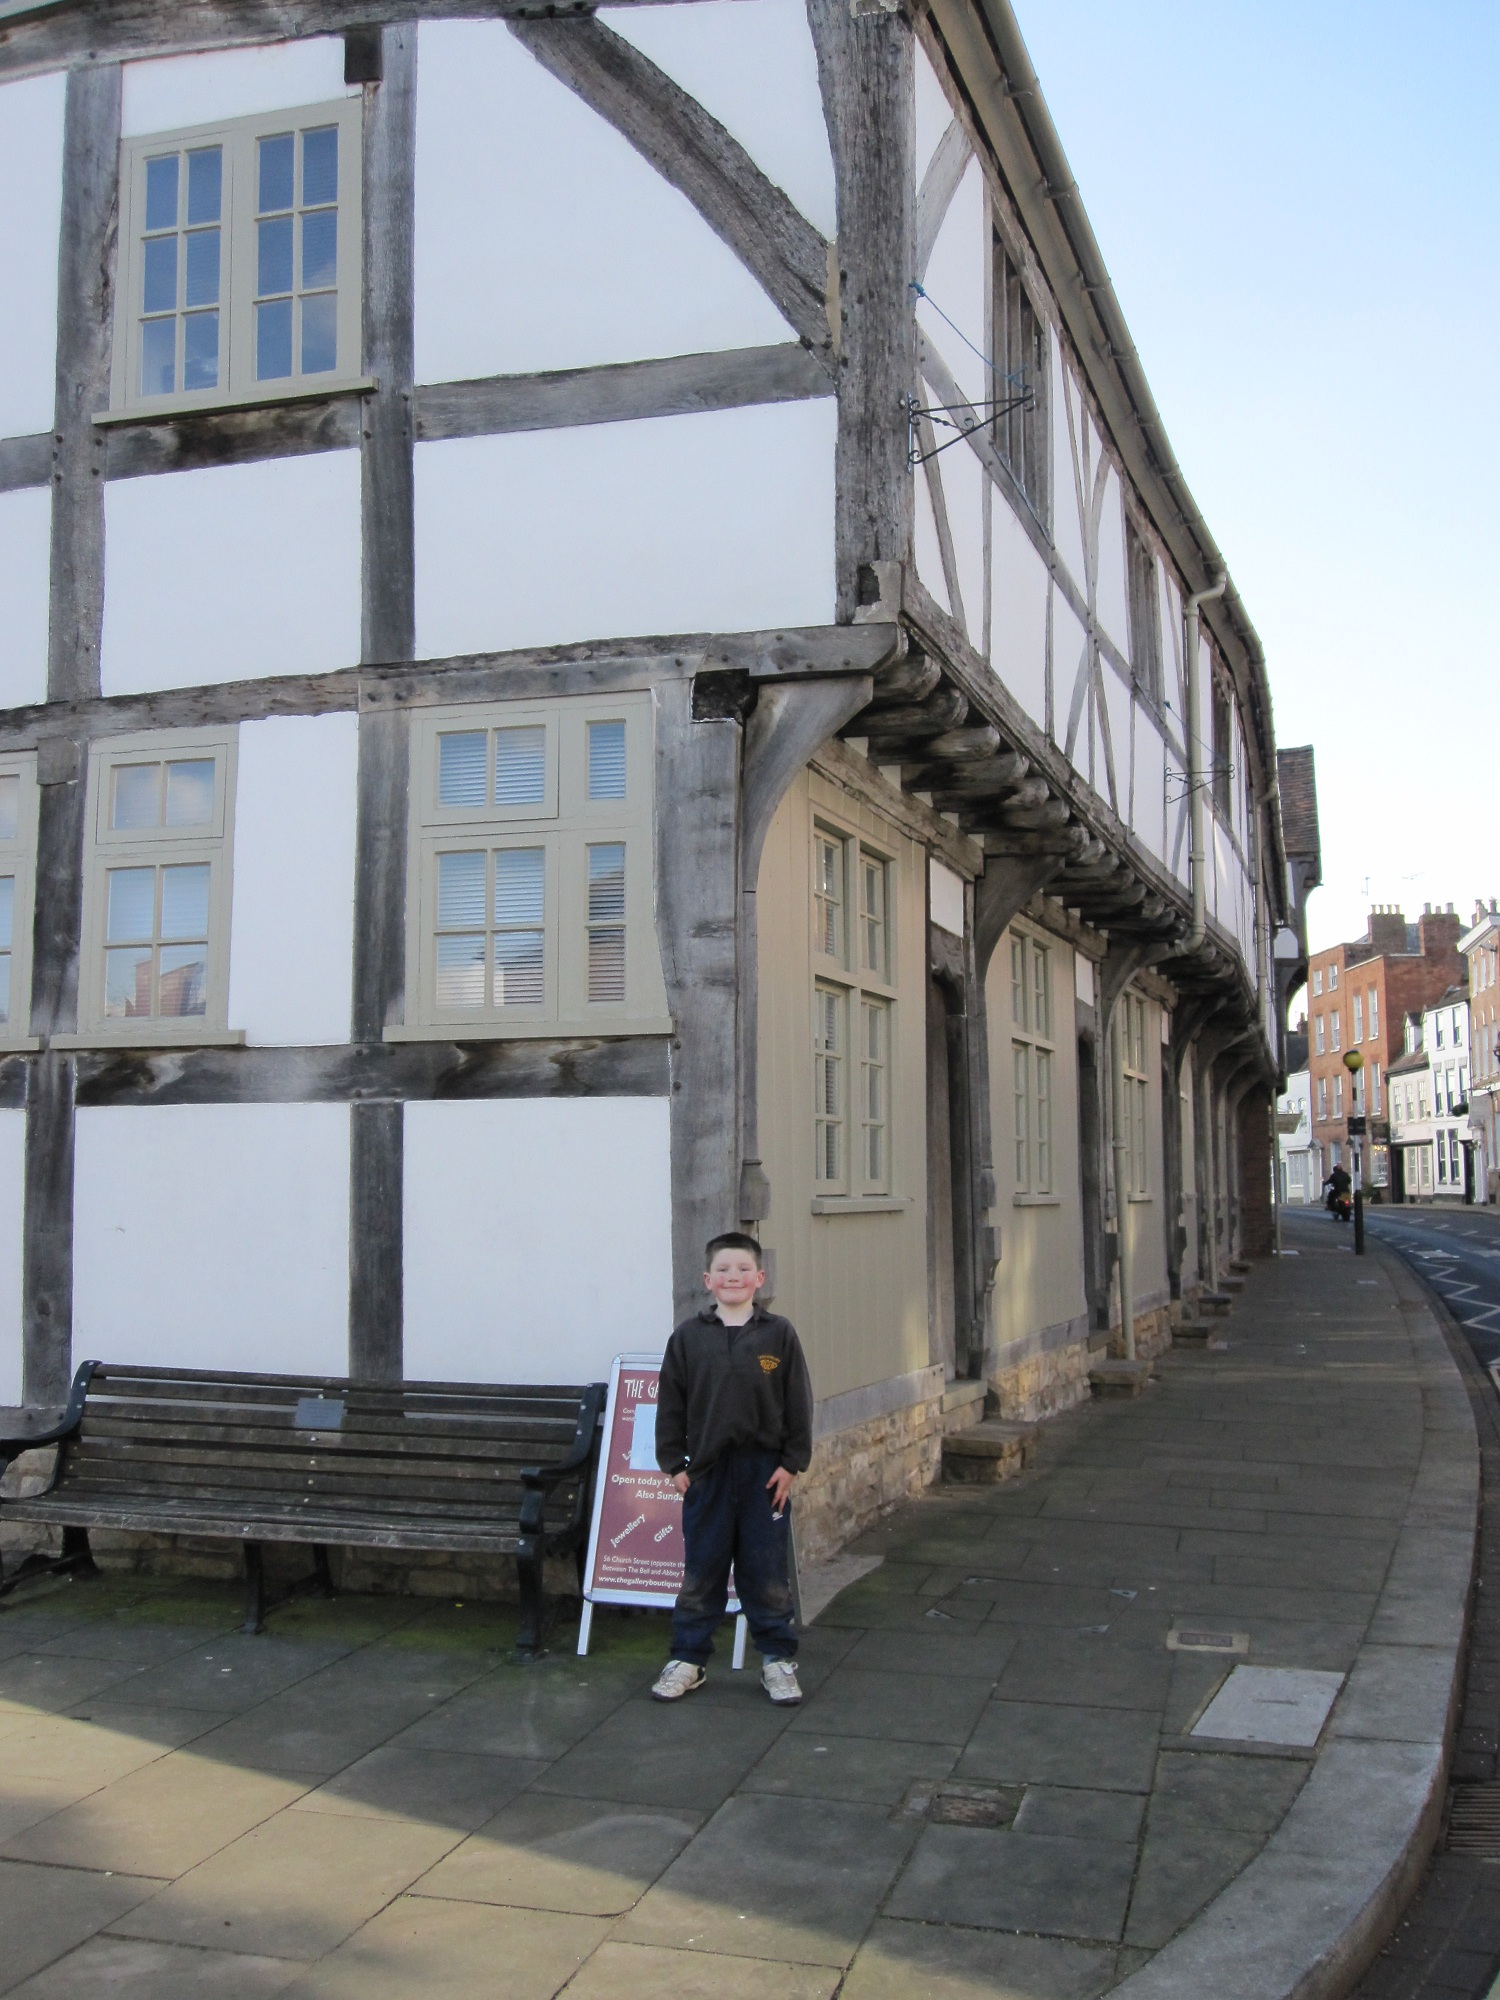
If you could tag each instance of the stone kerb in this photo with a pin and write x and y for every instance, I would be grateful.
(1311, 1910)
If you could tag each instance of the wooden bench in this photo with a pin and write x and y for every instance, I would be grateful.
(462, 1467)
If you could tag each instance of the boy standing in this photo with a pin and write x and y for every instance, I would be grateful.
(733, 1430)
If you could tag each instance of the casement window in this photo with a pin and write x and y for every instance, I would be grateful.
(530, 883)
(240, 261)
(1223, 753)
(1359, 1017)
(1318, 1034)
(1131, 1021)
(853, 1017)
(1373, 1013)
(18, 825)
(1033, 1053)
(1019, 393)
(1144, 609)
(155, 947)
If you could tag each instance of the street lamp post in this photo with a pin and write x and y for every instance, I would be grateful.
(1354, 1062)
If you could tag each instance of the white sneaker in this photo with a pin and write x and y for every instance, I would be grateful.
(678, 1677)
(779, 1679)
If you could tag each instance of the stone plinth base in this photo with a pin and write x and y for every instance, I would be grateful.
(1041, 1384)
(1119, 1378)
(863, 1472)
(989, 1452)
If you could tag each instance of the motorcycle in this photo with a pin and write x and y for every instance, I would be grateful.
(1340, 1205)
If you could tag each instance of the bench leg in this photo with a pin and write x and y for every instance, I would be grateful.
(76, 1559)
(322, 1574)
(255, 1588)
(533, 1603)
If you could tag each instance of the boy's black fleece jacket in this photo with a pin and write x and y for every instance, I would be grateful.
(724, 1388)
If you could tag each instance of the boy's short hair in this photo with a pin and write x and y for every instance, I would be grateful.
(732, 1239)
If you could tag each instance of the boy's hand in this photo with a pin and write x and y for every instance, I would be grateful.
(779, 1486)
(680, 1481)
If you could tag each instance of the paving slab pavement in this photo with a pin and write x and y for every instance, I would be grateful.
(993, 1790)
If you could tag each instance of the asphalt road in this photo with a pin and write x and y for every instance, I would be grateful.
(1457, 1250)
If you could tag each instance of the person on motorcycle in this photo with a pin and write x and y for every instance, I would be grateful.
(1338, 1185)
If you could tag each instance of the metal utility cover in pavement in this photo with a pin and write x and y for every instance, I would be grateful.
(1286, 1705)
(1199, 1639)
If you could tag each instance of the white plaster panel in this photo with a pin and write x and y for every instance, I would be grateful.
(31, 148)
(963, 480)
(1069, 681)
(957, 274)
(1018, 615)
(231, 573)
(291, 939)
(1118, 703)
(1067, 521)
(934, 113)
(178, 91)
(538, 1240)
(12, 1199)
(213, 1236)
(1111, 600)
(543, 239)
(1148, 814)
(928, 549)
(25, 563)
(718, 522)
(1178, 817)
(945, 897)
(756, 70)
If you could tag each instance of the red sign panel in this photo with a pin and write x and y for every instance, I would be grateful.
(635, 1547)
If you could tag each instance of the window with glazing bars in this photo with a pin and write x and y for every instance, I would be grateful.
(240, 260)
(1021, 357)
(156, 899)
(853, 1015)
(18, 830)
(1032, 1058)
(532, 876)
(1135, 1049)
(1144, 610)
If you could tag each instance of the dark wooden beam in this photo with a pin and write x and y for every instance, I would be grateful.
(25, 461)
(376, 1073)
(47, 1233)
(692, 150)
(679, 385)
(232, 437)
(866, 70)
(85, 286)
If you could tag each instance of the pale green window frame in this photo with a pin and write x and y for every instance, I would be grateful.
(854, 1024)
(531, 873)
(167, 938)
(19, 799)
(1033, 1067)
(321, 291)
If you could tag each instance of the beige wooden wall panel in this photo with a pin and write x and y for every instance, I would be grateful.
(1148, 1218)
(855, 1286)
(1040, 1279)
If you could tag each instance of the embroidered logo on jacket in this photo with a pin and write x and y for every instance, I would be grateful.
(769, 1363)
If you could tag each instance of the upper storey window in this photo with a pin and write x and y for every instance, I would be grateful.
(1145, 612)
(240, 261)
(1020, 392)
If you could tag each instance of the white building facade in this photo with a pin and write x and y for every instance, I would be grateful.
(601, 643)
(1301, 1180)
(1480, 946)
(1428, 1095)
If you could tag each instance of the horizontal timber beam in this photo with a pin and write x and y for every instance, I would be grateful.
(676, 385)
(376, 1072)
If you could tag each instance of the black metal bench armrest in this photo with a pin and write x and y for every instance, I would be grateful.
(539, 1480)
(12, 1448)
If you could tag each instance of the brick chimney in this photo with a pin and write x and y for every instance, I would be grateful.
(1387, 929)
(1439, 932)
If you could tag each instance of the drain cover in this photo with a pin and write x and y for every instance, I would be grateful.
(954, 1803)
(1474, 1820)
(1196, 1639)
(1284, 1705)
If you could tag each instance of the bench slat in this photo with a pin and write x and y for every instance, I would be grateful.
(416, 1440)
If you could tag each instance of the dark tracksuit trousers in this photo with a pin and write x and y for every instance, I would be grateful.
(727, 1523)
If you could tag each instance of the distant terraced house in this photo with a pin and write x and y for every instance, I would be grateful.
(602, 640)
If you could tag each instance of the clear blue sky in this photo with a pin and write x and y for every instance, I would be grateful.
(1298, 207)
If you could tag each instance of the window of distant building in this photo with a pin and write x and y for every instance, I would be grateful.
(1144, 611)
(1359, 1017)
(240, 260)
(1333, 979)
(1322, 1097)
(1338, 1096)
(1318, 1034)
(1318, 980)
(1223, 745)
(1374, 1013)
(1335, 1023)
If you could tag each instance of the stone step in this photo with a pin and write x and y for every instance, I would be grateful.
(1192, 1332)
(1119, 1378)
(962, 1406)
(988, 1452)
(1221, 1303)
(1234, 1285)
(1239, 1264)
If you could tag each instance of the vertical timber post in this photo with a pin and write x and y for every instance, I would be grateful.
(388, 632)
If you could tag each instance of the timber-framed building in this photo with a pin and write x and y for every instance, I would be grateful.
(601, 640)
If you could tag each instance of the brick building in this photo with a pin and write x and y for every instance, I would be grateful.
(1358, 996)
